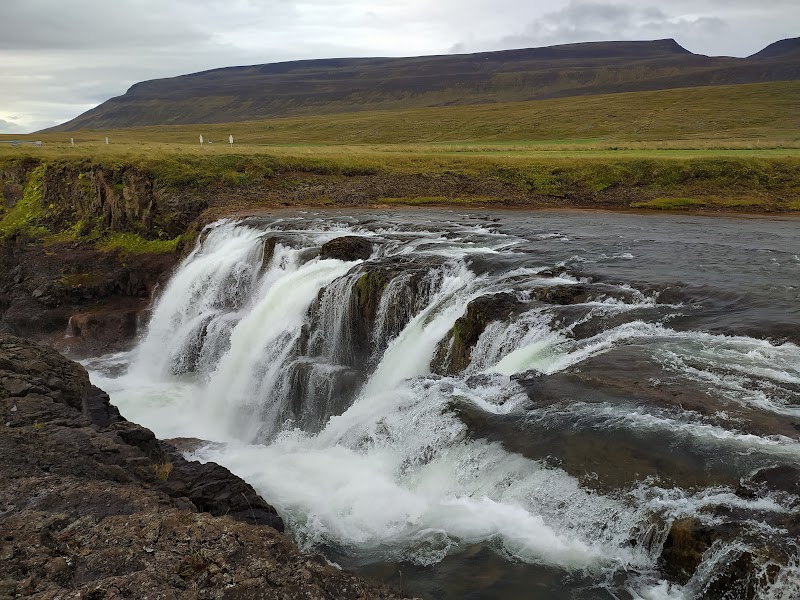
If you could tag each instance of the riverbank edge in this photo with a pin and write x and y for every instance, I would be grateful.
(86, 242)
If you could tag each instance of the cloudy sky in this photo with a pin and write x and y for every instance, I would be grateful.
(59, 58)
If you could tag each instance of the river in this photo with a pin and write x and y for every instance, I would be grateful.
(628, 372)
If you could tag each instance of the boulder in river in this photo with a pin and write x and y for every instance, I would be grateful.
(347, 248)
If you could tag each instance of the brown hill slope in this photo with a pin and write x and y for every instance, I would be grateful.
(344, 85)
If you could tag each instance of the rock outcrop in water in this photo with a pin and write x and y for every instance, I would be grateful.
(93, 506)
(454, 352)
(349, 247)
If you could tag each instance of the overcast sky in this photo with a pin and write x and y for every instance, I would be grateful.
(59, 58)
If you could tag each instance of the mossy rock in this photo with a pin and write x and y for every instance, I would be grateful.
(368, 291)
(454, 352)
(562, 294)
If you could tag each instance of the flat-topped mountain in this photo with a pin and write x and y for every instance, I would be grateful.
(783, 49)
(328, 86)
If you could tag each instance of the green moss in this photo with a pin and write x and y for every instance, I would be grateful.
(370, 288)
(130, 243)
(745, 202)
(669, 203)
(84, 230)
(26, 215)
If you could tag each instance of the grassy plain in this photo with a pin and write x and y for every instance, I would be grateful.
(731, 147)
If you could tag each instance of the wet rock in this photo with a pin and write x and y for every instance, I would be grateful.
(562, 294)
(106, 327)
(187, 445)
(527, 376)
(783, 478)
(268, 251)
(99, 409)
(735, 579)
(684, 547)
(454, 352)
(347, 248)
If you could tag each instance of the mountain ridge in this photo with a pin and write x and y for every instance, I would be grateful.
(340, 85)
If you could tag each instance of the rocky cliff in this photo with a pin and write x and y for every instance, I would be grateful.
(82, 249)
(93, 506)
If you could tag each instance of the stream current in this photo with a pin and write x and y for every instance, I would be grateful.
(632, 372)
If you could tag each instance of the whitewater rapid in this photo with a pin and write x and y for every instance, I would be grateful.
(373, 459)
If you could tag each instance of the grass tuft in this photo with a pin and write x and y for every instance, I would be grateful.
(162, 470)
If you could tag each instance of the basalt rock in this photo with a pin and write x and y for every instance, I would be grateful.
(95, 331)
(102, 292)
(739, 574)
(94, 506)
(347, 248)
(454, 352)
(268, 251)
(684, 547)
(562, 294)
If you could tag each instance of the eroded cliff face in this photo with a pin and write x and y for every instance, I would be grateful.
(82, 248)
(93, 506)
(122, 198)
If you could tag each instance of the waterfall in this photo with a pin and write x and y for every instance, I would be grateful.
(314, 379)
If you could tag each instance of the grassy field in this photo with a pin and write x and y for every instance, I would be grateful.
(735, 147)
(737, 117)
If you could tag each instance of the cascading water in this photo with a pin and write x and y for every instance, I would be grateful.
(316, 380)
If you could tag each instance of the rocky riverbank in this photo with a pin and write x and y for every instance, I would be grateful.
(93, 506)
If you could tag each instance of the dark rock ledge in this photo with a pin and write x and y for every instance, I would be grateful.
(93, 506)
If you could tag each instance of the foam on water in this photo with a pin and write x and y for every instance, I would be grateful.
(397, 470)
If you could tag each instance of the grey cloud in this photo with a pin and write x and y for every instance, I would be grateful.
(715, 27)
(85, 24)
(10, 127)
(596, 21)
(60, 58)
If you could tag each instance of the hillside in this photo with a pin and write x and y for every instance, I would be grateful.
(319, 87)
(763, 114)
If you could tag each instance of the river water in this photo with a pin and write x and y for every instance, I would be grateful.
(635, 371)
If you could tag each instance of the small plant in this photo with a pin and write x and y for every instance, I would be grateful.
(192, 566)
(37, 426)
(162, 470)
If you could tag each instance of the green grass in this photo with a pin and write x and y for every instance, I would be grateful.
(26, 214)
(740, 116)
(710, 201)
(669, 203)
(130, 243)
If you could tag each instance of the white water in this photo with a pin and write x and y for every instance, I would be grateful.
(396, 476)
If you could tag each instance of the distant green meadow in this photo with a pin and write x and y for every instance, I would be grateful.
(735, 147)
